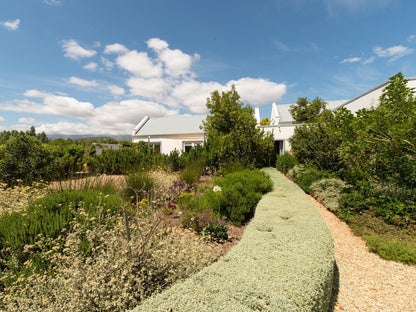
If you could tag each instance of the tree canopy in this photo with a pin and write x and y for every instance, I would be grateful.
(231, 132)
(307, 111)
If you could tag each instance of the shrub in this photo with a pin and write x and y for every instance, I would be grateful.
(192, 171)
(305, 176)
(49, 217)
(215, 232)
(394, 249)
(285, 162)
(138, 186)
(240, 192)
(329, 191)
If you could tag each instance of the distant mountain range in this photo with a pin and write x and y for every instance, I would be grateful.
(89, 136)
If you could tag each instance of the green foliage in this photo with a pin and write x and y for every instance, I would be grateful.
(240, 192)
(307, 111)
(232, 134)
(329, 192)
(215, 232)
(285, 162)
(139, 185)
(265, 121)
(49, 217)
(192, 171)
(24, 157)
(305, 176)
(396, 250)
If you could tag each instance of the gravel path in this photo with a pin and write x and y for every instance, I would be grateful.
(366, 282)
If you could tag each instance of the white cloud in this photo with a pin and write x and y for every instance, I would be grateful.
(51, 104)
(281, 46)
(193, 94)
(394, 52)
(27, 120)
(107, 63)
(116, 90)
(1, 119)
(115, 48)
(74, 51)
(82, 82)
(11, 24)
(411, 38)
(258, 92)
(154, 88)
(157, 44)
(351, 60)
(369, 60)
(91, 66)
(177, 63)
(139, 64)
(52, 2)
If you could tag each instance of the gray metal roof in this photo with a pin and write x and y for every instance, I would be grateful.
(172, 125)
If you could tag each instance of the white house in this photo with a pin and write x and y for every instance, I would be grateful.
(182, 132)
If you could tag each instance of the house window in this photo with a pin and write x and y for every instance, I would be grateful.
(187, 146)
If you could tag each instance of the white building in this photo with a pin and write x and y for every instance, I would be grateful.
(182, 132)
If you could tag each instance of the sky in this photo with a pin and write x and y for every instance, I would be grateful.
(99, 66)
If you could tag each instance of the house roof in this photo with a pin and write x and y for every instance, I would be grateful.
(286, 116)
(169, 125)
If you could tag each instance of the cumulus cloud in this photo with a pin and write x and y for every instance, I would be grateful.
(351, 60)
(91, 66)
(139, 64)
(394, 52)
(11, 24)
(154, 88)
(177, 63)
(74, 51)
(116, 90)
(193, 94)
(115, 48)
(82, 82)
(51, 104)
(27, 120)
(258, 92)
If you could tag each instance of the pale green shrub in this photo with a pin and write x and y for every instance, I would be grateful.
(117, 275)
(329, 191)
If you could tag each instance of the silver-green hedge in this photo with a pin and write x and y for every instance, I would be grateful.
(284, 262)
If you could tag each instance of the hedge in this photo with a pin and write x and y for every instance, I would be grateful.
(284, 262)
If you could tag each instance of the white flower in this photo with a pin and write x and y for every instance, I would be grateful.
(217, 188)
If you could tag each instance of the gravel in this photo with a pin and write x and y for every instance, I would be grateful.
(366, 282)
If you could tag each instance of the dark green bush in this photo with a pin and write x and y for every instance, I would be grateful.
(192, 171)
(285, 162)
(215, 232)
(240, 192)
(397, 250)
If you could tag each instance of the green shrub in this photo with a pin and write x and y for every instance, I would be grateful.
(285, 162)
(239, 194)
(394, 249)
(329, 191)
(305, 176)
(49, 217)
(215, 232)
(192, 171)
(139, 185)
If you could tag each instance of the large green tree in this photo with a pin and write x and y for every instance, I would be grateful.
(232, 134)
(307, 111)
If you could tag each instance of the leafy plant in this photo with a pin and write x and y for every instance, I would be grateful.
(215, 232)
(285, 162)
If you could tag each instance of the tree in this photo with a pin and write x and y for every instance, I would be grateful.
(265, 121)
(231, 132)
(306, 111)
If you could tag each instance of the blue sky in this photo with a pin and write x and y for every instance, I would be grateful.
(98, 66)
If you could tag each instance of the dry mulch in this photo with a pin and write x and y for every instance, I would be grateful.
(364, 281)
